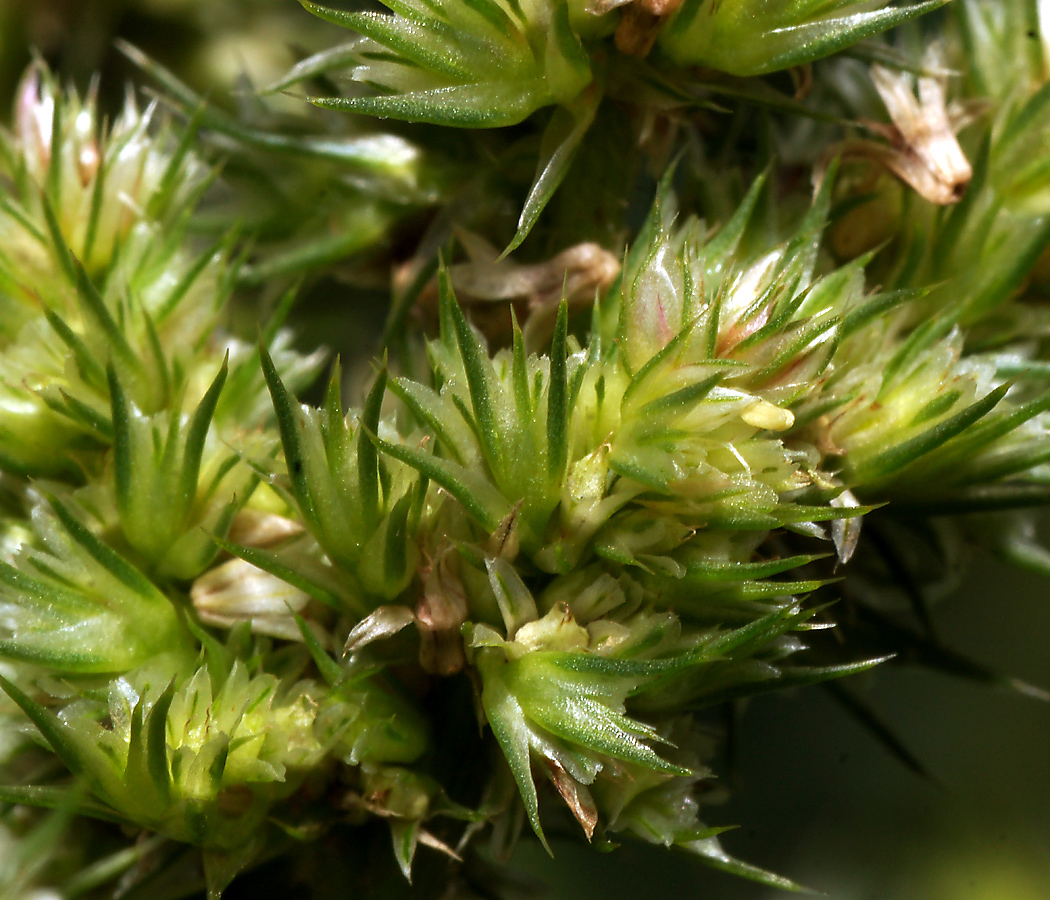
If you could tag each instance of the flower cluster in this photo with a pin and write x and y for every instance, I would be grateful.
(502, 585)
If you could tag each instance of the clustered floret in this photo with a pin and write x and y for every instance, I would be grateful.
(236, 621)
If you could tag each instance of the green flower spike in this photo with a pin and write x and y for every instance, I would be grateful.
(477, 65)
(501, 424)
(715, 348)
(76, 607)
(545, 699)
(571, 445)
(554, 691)
(860, 394)
(474, 65)
(92, 270)
(362, 510)
(750, 37)
(165, 504)
(197, 763)
(107, 192)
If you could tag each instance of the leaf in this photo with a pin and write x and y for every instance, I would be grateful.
(765, 590)
(328, 667)
(475, 363)
(385, 153)
(106, 557)
(593, 725)
(889, 462)
(338, 57)
(103, 870)
(520, 374)
(430, 410)
(60, 736)
(679, 402)
(557, 406)
(90, 369)
(516, 603)
(405, 835)
(710, 852)
(197, 434)
(222, 866)
(146, 771)
(381, 623)
(474, 492)
(425, 44)
(788, 677)
(726, 240)
(558, 146)
(1003, 278)
(752, 635)
(702, 569)
(48, 797)
(288, 425)
(182, 288)
(507, 721)
(367, 457)
(299, 578)
(95, 307)
(786, 38)
(485, 105)
(58, 242)
(879, 305)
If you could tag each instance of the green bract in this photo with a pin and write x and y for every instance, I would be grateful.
(76, 606)
(748, 37)
(477, 65)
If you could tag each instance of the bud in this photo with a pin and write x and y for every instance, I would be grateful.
(548, 698)
(750, 37)
(91, 221)
(76, 606)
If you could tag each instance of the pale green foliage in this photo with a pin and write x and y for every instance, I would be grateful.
(491, 63)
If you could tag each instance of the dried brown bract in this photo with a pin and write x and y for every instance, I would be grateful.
(440, 613)
(641, 23)
(921, 147)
